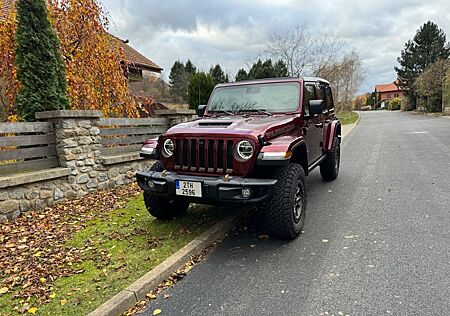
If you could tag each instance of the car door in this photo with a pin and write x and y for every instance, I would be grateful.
(313, 129)
(328, 114)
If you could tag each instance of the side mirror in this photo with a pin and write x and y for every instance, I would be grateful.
(201, 110)
(315, 107)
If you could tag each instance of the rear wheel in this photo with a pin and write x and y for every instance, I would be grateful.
(160, 207)
(329, 168)
(285, 212)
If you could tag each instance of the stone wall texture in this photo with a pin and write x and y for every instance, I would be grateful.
(79, 148)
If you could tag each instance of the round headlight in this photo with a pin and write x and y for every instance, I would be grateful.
(243, 150)
(168, 148)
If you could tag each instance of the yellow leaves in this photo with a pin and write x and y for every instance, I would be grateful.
(53, 295)
(156, 312)
(151, 295)
(42, 280)
(94, 73)
(4, 290)
(63, 302)
(32, 310)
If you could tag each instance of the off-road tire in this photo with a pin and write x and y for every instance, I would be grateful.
(278, 212)
(329, 168)
(160, 207)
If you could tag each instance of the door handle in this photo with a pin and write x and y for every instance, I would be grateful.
(318, 125)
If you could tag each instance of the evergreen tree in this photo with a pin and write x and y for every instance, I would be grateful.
(280, 69)
(178, 81)
(190, 68)
(428, 45)
(265, 69)
(241, 75)
(200, 87)
(40, 68)
(218, 75)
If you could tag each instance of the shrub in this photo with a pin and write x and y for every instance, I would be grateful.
(394, 104)
(200, 87)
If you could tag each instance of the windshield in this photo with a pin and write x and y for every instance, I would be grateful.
(270, 97)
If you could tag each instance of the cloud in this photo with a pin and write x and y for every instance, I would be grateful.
(232, 32)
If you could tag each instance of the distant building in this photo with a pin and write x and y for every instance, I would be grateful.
(386, 92)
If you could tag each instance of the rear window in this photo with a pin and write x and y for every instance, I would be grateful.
(271, 97)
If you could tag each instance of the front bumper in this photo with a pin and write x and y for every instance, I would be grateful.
(215, 190)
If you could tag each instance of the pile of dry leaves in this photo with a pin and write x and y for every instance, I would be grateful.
(32, 247)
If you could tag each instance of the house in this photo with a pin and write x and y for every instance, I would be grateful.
(137, 63)
(386, 92)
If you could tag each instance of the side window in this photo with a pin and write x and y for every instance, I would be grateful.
(323, 96)
(309, 93)
(330, 104)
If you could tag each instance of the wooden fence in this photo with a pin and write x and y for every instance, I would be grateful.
(124, 135)
(27, 147)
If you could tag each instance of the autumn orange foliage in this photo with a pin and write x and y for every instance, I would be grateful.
(93, 58)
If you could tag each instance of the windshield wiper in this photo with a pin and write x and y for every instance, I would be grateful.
(260, 111)
(223, 111)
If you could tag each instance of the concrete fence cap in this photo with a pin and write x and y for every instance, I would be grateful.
(68, 114)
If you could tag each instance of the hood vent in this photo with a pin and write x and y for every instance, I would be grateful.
(214, 124)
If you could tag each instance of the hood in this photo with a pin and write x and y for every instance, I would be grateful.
(253, 125)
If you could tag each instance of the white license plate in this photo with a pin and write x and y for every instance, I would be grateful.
(188, 188)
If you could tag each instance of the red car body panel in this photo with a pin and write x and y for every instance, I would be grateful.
(281, 132)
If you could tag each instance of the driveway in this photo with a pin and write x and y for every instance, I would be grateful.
(376, 240)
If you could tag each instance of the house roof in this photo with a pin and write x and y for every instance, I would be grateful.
(389, 87)
(134, 58)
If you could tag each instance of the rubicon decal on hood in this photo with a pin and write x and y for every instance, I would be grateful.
(281, 130)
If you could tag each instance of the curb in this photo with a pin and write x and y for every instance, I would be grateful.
(136, 292)
(359, 118)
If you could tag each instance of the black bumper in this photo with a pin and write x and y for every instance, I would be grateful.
(215, 190)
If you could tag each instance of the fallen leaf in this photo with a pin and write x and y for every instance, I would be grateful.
(63, 302)
(42, 280)
(32, 310)
(157, 311)
(324, 240)
(252, 246)
(167, 295)
(53, 295)
(3, 290)
(151, 295)
(263, 236)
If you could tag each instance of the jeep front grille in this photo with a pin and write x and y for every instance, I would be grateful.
(204, 155)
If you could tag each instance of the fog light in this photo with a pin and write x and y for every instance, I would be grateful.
(151, 185)
(246, 193)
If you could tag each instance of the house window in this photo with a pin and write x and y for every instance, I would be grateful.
(396, 95)
(389, 96)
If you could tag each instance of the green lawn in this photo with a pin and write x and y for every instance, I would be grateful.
(116, 249)
(347, 117)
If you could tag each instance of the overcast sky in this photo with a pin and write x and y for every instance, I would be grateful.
(232, 32)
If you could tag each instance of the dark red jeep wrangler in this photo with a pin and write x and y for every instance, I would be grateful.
(254, 144)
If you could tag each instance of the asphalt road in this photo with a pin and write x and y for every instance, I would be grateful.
(376, 240)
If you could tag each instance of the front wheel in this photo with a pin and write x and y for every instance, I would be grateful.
(285, 212)
(329, 168)
(162, 208)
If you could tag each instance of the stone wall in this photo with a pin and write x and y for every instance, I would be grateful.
(82, 168)
(38, 195)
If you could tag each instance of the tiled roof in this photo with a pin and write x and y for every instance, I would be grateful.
(135, 58)
(389, 87)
